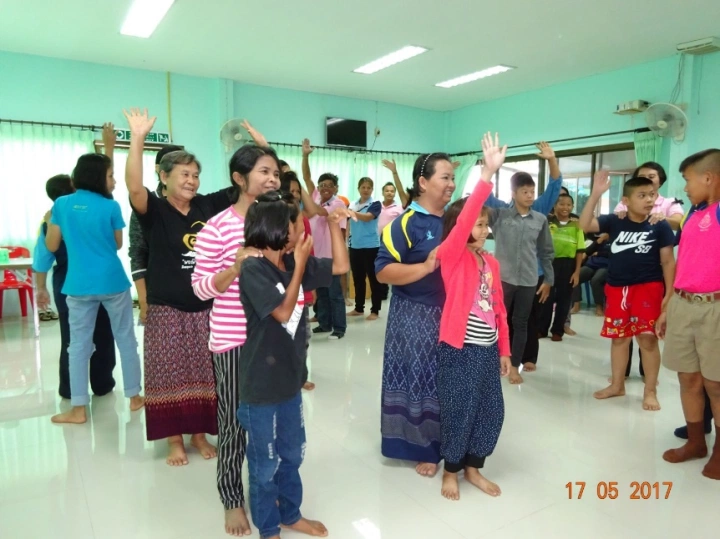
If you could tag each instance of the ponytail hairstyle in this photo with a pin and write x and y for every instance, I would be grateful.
(243, 161)
(424, 167)
(267, 223)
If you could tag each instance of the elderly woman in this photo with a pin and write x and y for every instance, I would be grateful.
(410, 408)
(179, 378)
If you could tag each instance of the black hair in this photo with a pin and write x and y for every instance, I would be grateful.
(328, 176)
(59, 186)
(282, 164)
(365, 179)
(521, 179)
(90, 173)
(708, 159)
(267, 221)
(451, 216)
(425, 168)
(286, 179)
(657, 167)
(635, 182)
(391, 184)
(564, 190)
(566, 195)
(162, 152)
(244, 160)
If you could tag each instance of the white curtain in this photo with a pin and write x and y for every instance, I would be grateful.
(350, 166)
(29, 155)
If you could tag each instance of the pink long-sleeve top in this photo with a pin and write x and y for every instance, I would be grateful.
(461, 276)
(215, 249)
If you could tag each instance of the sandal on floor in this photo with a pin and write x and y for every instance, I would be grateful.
(45, 316)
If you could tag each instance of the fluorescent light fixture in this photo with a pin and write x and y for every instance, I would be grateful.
(144, 16)
(489, 72)
(390, 59)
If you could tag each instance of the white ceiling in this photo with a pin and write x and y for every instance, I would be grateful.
(314, 45)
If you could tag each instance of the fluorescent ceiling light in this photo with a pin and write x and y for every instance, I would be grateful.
(144, 16)
(489, 72)
(390, 59)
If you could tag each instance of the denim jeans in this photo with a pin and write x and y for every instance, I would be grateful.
(331, 307)
(83, 314)
(275, 450)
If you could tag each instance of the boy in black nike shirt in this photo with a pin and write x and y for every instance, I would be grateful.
(639, 280)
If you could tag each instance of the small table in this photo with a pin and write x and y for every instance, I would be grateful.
(25, 264)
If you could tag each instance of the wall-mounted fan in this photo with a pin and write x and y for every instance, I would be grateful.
(232, 134)
(667, 120)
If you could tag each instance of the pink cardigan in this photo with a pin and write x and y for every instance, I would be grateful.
(461, 276)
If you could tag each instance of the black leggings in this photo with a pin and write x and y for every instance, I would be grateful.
(519, 304)
(362, 265)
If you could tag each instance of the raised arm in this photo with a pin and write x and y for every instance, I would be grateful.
(392, 167)
(109, 139)
(307, 177)
(341, 261)
(257, 137)
(546, 202)
(140, 125)
(601, 183)
(310, 207)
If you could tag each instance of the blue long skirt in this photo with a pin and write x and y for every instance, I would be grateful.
(410, 408)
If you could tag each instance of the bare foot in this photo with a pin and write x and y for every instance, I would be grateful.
(426, 469)
(610, 392)
(207, 450)
(450, 488)
(474, 477)
(656, 383)
(650, 401)
(76, 415)
(136, 403)
(176, 452)
(372, 316)
(308, 386)
(313, 320)
(309, 527)
(354, 313)
(599, 311)
(236, 522)
(570, 331)
(529, 367)
(576, 308)
(610, 379)
(515, 377)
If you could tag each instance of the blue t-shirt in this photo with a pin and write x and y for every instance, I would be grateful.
(88, 222)
(409, 240)
(635, 249)
(364, 234)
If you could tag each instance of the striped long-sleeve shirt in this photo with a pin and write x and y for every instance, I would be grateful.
(215, 249)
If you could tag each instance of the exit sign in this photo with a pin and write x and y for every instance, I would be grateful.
(123, 135)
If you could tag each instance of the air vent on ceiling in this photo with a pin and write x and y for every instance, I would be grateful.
(700, 46)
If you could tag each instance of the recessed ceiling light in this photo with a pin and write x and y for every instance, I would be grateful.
(144, 16)
(489, 72)
(390, 59)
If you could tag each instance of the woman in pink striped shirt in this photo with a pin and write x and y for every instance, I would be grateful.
(254, 170)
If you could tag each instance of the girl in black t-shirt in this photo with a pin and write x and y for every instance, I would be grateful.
(272, 363)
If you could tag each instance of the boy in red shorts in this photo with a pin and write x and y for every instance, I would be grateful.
(691, 325)
(639, 280)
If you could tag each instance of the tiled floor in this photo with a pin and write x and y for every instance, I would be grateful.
(104, 480)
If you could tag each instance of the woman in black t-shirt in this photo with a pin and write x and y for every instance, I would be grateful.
(179, 378)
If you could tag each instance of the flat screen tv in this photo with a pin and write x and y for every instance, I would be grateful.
(342, 132)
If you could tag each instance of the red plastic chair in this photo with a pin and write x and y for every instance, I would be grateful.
(11, 281)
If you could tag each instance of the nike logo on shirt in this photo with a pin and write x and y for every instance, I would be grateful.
(629, 240)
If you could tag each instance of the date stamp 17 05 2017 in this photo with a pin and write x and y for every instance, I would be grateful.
(609, 490)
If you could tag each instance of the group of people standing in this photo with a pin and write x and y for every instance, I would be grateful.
(225, 282)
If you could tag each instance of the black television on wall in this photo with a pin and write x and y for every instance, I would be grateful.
(343, 132)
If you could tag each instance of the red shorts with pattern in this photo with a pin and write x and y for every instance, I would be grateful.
(632, 310)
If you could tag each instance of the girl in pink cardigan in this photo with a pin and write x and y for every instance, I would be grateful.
(474, 349)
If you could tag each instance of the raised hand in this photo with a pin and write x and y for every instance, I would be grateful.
(257, 137)
(601, 182)
(390, 165)
(109, 137)
(493, 156)
(306, 148)
(139, 122)
(545, 150)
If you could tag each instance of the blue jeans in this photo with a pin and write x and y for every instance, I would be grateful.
(83, 313)
(331, 307)
(275, 450)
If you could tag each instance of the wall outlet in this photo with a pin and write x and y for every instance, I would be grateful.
(377, 132)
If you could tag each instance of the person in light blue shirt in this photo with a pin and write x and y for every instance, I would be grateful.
(364, 247)
(102, 361)
(91, 224)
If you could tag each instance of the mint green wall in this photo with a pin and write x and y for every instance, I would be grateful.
(704, 112)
